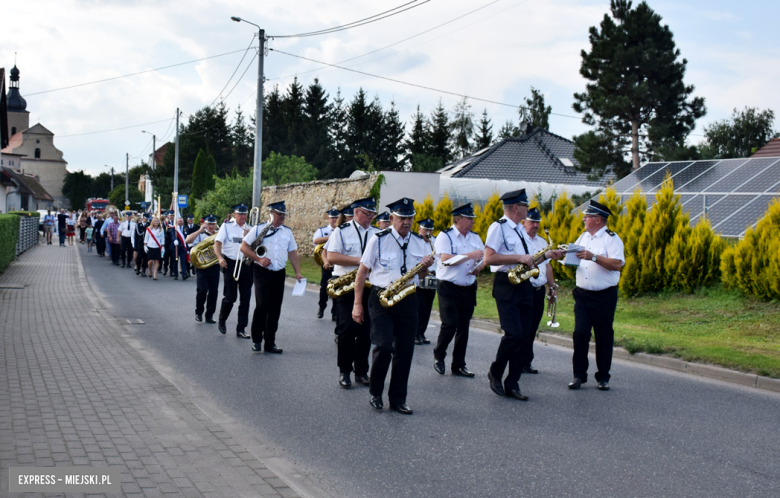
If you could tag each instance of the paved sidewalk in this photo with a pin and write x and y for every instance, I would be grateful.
(73, 392)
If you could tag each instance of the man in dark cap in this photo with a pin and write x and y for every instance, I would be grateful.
(426, 292)
(321, 236)
(506, 245)
(141, 260)
(596, 294)
(226, 247)
(388, 256)
(207, 278)
(383, 220)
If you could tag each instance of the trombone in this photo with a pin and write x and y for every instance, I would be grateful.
(252, 220)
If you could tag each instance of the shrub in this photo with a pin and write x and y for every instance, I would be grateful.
(227, 193)
(9, 235)
(442, 216)
(564, 228)
(424, 209)
(493, 211)
(629, 227)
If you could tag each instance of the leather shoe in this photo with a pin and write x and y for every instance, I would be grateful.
(496, 385)
(424, 340)
(273, 349)
(198, 318)
(603, 386)
(403, 409)
(241, 334)
(185, 277)
(165, 272)
(462, 372)
(376, 402)
(418, 340)
(257, 347)
(576, 383)
(320, 312)
(362, 379)
(222, 328)
(530, 370)
(344, 380)
(210, 320)
(438, 366)
(515, 393)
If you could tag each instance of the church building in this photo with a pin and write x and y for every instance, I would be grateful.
(31, 149)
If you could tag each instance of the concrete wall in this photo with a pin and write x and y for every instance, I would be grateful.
(307, 203)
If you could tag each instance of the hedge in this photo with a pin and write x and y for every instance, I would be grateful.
(33, 214)
(9, 235)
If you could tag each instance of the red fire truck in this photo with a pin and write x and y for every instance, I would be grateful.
(95, 204)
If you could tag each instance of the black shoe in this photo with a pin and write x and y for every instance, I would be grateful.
(376, 402)
(438, 365)
(137, 272)
(424, 340)
(164, 272)
(198, 317)
(576, 383)
(273, 349)
(515, 393)
(176, 277)
(603, 386)
(495, 385)
(418, 340)
(320, 312)
(530, 370)
(210, 320)
(333, 318)
(461, 372)
(403, 408)
(344, 380)
(362, 379)
(123, 265)
(336, 339)
(185, 277)
(242, 335)
(222, 328)
(143, 274)
(257, 347)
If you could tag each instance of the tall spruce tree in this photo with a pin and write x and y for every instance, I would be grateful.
(200, 171)
(439, 135)
(635, 96)
(364, 132)
(508, 130)
(484, 136)
(392, 147)
(416, 144)
(462, 127)
(338, 138)
(243, 144)
(274, 129)
(535, 111)
(317, 144)
(293, 117)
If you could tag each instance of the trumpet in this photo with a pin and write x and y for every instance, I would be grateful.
(552, 305)
(252, 220)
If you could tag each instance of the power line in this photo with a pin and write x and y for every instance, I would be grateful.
(134, 74)
(355, 24)
(411, 84)
(234, 71)
(113, 129)
(241, 78)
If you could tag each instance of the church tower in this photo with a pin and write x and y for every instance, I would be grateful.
(18, 115)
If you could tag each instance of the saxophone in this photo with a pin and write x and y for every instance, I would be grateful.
(521, 272)
(338, 286)
(399, 289)
(257, 248)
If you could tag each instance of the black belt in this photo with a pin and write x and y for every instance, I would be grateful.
(456, 285)
(596, 292)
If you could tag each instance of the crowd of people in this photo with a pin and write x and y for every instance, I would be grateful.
(370, 263)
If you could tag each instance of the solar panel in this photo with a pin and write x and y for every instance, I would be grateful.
(657, 178)
(630, 182)
(744, 173)
(696, 205)
(726, 207)
(763, 181)
(673, 169)
(691, 172)
(754, 210)
(720, 170)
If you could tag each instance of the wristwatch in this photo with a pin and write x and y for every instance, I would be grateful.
(593, 258)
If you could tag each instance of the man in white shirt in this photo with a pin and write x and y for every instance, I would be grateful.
(596, 295)
(321, 236)
(345, 248)
(268, 274)
(227, 248)
(426, 292)
(457, 288)
(388, 256)
(126, 231)
(505, 247)
(207, 278)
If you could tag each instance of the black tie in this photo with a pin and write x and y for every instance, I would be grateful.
(403, 249)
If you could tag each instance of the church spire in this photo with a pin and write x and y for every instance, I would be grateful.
(15, 101)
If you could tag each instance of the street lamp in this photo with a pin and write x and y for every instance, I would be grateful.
(153, 165)
(112, 175)
(257, 175)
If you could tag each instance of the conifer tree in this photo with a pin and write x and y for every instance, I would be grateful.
(243, 144)
(629, 226)
(612, 200)
(200, 171)
(535, 111)
(317, 146)
(484, 136)
(564, 227)
(462, 128)
(424, 209)
(274, 128)
(509, 130)
(442, 217)
(391, 149)
(293, 118)
(493, 211)
(439, 135)
(338, 137)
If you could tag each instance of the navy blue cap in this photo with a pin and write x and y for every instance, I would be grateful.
(241, 209)
(210, 218)
(148, 216)
(348, 211)
(427, 223)
(598, 209)
(515, 197)
(333, 213)
(170, 212)
(402, 207)
(368, 204)
(383, 216)
(128, 213)
(190, 217)
(279, 207)
(533, 215)
(465, 210)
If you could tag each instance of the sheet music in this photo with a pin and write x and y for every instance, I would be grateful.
(300, 288)
(571, 258)
(455, 260)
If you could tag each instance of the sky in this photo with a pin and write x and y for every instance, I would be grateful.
(496, 53)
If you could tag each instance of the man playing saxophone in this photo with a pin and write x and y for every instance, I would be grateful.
(207, 278)
(226, 247)
(388, 256)
(268, 274)
(321, 236)
(507, 245)
(345, 248)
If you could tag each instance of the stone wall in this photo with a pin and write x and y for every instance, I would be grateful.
(307, 203)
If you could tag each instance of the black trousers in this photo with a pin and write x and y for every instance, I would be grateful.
(596, 310)
(456, 306)
(354, 342)
(269, 293)
(126, 252)
(392, 334)
(141, 258)
(538, 312)
(425, 299)
(115, 249)
(515, 305)
(232, 290)
(169, 260)
(325, 276)
(182, 263)
(206, 294)
(100, 245)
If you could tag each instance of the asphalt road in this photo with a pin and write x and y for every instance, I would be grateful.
(656, 433)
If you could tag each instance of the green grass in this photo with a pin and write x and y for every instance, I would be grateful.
(713, 325)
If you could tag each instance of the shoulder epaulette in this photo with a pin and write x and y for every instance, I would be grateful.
(382, 233)
(447, 230)
(344, 225)
(502, 220)
(611, 233)
(417, 234)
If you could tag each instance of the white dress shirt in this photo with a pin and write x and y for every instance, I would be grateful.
(231, 235)
(452, 242)
(384, 256)
(278, 244)
(349, 239)
(200, 238)
(126, 228)
(505, 239)
(322, 232)
(591, 275)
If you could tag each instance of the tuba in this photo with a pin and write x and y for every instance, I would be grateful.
(203, 255)
(399, 289)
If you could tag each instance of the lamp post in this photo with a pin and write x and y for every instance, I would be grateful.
(153, 163)
(112, 176)
(257, 177)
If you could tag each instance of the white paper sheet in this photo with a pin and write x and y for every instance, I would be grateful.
(571, 258)
(455, 260)
(300, 288)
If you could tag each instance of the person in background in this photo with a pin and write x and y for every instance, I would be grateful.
(70, 225)
(112, 235)
(425, 295)
(139, 234)
(153, 245)
(179, 247)
(88, 236)
(321, 237)
(82, 228)
(62, 226)
(100, 239)
(48, 226)
(383, 220)
(126, 231)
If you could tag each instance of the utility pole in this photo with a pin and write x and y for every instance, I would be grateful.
(112, 178)
(127, 180)
(176, 163)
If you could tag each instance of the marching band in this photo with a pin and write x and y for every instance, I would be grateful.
(383, 284)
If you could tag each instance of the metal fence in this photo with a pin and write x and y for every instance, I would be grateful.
(28, 233)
